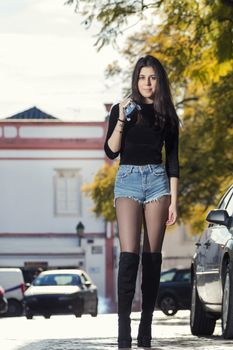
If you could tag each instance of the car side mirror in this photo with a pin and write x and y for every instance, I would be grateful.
(27, 285)
(88, 284)
(219, 216)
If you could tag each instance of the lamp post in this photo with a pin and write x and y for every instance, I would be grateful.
(80, 231)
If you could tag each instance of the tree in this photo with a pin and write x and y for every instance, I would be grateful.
(194, 41)
(101, 191)
(114, 15)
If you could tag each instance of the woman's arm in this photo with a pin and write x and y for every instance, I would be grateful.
(172, 167)
(172, 211)
(117, 121)
(172, 151)
(112, 125)
(114, 142)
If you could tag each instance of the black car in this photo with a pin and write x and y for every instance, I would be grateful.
(61, 292)
(212, 272)
(3, 301)
(174, 291)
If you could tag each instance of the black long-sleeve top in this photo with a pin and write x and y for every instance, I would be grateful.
(142, 142)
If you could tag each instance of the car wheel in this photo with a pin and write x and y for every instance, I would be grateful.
(95, 313)
(168, 305)
(200, 322)
(80, 309)
(14, 308)
(227, 304)
(29, 315)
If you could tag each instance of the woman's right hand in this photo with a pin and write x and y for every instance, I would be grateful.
(122, 105)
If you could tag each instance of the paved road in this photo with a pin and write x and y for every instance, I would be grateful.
(87, 333)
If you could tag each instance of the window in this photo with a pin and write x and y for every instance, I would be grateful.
(183, 276)
(167, 276)
(68, 192)
(225, 199)
(57, 280)
(229, 207)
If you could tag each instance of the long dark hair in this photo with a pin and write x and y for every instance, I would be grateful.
(164, 108)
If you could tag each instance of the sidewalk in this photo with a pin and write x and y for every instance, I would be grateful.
(100, 333)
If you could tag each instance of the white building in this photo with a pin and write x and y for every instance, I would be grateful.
(43, 164)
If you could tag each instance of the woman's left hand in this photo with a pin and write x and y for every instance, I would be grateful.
(172, 215)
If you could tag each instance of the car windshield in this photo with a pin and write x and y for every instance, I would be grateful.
(183, 276)
(167, 276)
(57, 280)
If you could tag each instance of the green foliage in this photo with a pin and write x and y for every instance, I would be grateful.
(101, 191)
(194, 42)
(112, 15)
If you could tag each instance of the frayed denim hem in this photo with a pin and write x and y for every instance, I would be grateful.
(134, 198)
(157, 198)
(141, 202)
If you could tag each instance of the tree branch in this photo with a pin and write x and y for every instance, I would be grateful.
(187, 100)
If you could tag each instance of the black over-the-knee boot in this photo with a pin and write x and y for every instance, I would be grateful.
(151, 268)
(127, 275)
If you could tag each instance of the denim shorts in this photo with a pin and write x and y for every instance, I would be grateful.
(143, 183)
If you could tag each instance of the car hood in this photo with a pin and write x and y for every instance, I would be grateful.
(40, 290)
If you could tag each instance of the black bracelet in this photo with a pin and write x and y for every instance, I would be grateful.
(123, 121)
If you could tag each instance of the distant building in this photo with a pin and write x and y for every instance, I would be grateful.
(43, 164)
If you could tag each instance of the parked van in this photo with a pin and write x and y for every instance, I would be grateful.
(11, 279)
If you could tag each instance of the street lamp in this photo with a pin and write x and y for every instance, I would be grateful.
(80, 231)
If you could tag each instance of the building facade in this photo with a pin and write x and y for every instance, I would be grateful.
(45, 218)
(43, 164)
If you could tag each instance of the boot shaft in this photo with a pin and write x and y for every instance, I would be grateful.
(151, 268)
(127, 276)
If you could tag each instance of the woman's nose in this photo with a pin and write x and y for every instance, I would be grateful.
(148, 81)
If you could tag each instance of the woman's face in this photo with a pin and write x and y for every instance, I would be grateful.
(147, 83)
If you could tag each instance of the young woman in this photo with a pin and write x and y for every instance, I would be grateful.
(145, 188)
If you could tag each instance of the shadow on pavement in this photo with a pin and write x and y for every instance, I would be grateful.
(70, 344)
(185, 342)
(169, 321)
(190, 342)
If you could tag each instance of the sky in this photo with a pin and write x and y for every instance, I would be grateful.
(48, 60)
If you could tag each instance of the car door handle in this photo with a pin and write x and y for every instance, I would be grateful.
(207, 244)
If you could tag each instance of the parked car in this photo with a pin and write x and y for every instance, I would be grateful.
(3, 301)
(61, 292)
(11, 279)
(212, 272)
(174, 291)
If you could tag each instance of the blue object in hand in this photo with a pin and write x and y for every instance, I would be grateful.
(130, 109)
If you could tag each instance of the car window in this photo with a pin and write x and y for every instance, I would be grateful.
(224, 201)
(57, 280)
(167, 276)
(229, 207)
(183, 276)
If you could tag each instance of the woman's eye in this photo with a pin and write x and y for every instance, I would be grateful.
(151, 78)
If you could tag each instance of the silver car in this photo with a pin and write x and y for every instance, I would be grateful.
(212, 272)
